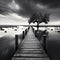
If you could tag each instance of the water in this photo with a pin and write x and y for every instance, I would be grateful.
(7, 47)
(7, 42)
(53, 45)
(52, 42)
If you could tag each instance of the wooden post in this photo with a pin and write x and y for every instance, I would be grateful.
(26, 31)
(23, 34)
(44, 42)
(28, 27)
(16, 42)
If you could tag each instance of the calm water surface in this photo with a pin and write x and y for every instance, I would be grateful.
(7, 44)
(53, 45)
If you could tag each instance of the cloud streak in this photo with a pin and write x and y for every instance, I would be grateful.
(12, 19)
(26, 8)
(14, 6)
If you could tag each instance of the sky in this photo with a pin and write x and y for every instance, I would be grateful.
(19, 11)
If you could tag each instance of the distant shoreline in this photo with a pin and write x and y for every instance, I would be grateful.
(29, 25)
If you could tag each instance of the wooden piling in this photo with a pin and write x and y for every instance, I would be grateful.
(44, 42)
(16, 42)
(23, 34)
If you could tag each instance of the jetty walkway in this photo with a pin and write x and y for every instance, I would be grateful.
(30, 49)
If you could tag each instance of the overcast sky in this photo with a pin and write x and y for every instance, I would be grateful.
(19, 11)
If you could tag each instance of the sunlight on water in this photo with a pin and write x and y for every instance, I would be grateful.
(40, 28)
(12, 31)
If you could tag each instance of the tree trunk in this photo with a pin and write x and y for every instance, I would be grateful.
(37, 26)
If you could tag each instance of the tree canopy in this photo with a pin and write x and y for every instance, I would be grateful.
(39, 18)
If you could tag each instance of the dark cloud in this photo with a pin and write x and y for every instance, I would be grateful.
(50, 3)
(28, 7)
(4, 9)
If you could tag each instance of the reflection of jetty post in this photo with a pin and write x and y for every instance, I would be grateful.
(44, 42)
(16, 42)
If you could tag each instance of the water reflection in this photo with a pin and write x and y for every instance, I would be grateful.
(53, 42)
(7, 41)
(53, 45)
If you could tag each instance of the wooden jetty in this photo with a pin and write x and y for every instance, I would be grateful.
(30, 49)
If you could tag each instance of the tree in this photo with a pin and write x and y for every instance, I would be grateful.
(39, 18)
